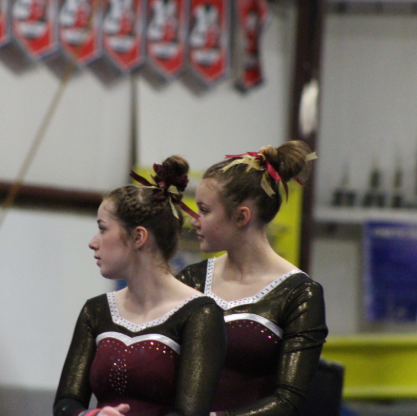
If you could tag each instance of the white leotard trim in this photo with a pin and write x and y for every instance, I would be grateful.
(128, 341)
(245, 301)
(256, 318)
(117, 319)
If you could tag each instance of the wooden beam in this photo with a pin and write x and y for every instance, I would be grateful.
(309, 33)
(30, 196)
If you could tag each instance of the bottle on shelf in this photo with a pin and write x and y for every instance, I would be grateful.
(374, 196)
(413, 202)
(344, 195)
(397, 198)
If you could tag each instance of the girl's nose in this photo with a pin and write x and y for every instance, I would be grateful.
(93, 243)
(194, 223)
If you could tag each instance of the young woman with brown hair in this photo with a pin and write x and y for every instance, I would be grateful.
(274, 312)
(157, 346)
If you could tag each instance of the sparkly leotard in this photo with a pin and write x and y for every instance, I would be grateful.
(274, 343)
(170, 365)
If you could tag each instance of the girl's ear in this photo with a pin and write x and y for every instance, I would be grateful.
(140, 237)
(243, 215)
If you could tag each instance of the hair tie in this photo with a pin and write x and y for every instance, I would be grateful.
(168, 190)
(169, 178)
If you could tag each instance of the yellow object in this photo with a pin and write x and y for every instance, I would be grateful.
(285, 229)
(376, 366)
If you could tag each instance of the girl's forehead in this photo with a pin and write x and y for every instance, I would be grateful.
(210, 184)
(106, 208)
(103, 206)
(209, 192)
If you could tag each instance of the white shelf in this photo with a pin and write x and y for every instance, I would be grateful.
(359, 215)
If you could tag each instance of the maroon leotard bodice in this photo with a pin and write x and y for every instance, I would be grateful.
(251, 359)
(141, 369)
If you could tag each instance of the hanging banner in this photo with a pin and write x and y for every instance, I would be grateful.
(123, 26)
(251, 20)
(4, 22)
(390, 271)
(11, 51)
(166, 33)
(79, 29)
(34, 25)
(209, 39)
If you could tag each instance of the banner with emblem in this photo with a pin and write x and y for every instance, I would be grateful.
(4, 22)
(34, 25)
(209, 39)
(80, 29)
(251, 16)
(166, 32)
(123, 25)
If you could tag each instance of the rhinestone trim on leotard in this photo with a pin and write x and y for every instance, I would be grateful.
(245, 301)
(117, 319)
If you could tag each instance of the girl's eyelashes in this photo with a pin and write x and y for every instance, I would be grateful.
(202, 209)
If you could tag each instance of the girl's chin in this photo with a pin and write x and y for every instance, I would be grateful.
(109, 277)
(208, 250)
(204, 248)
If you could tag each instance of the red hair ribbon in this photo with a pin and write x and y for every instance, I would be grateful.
(145, 182)
(269, 168)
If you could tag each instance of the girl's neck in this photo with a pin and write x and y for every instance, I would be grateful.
(151, 292)
(149, 285)
(252, 258)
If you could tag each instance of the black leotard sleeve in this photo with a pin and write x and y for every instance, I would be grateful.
(74, 393)
(203, 349)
